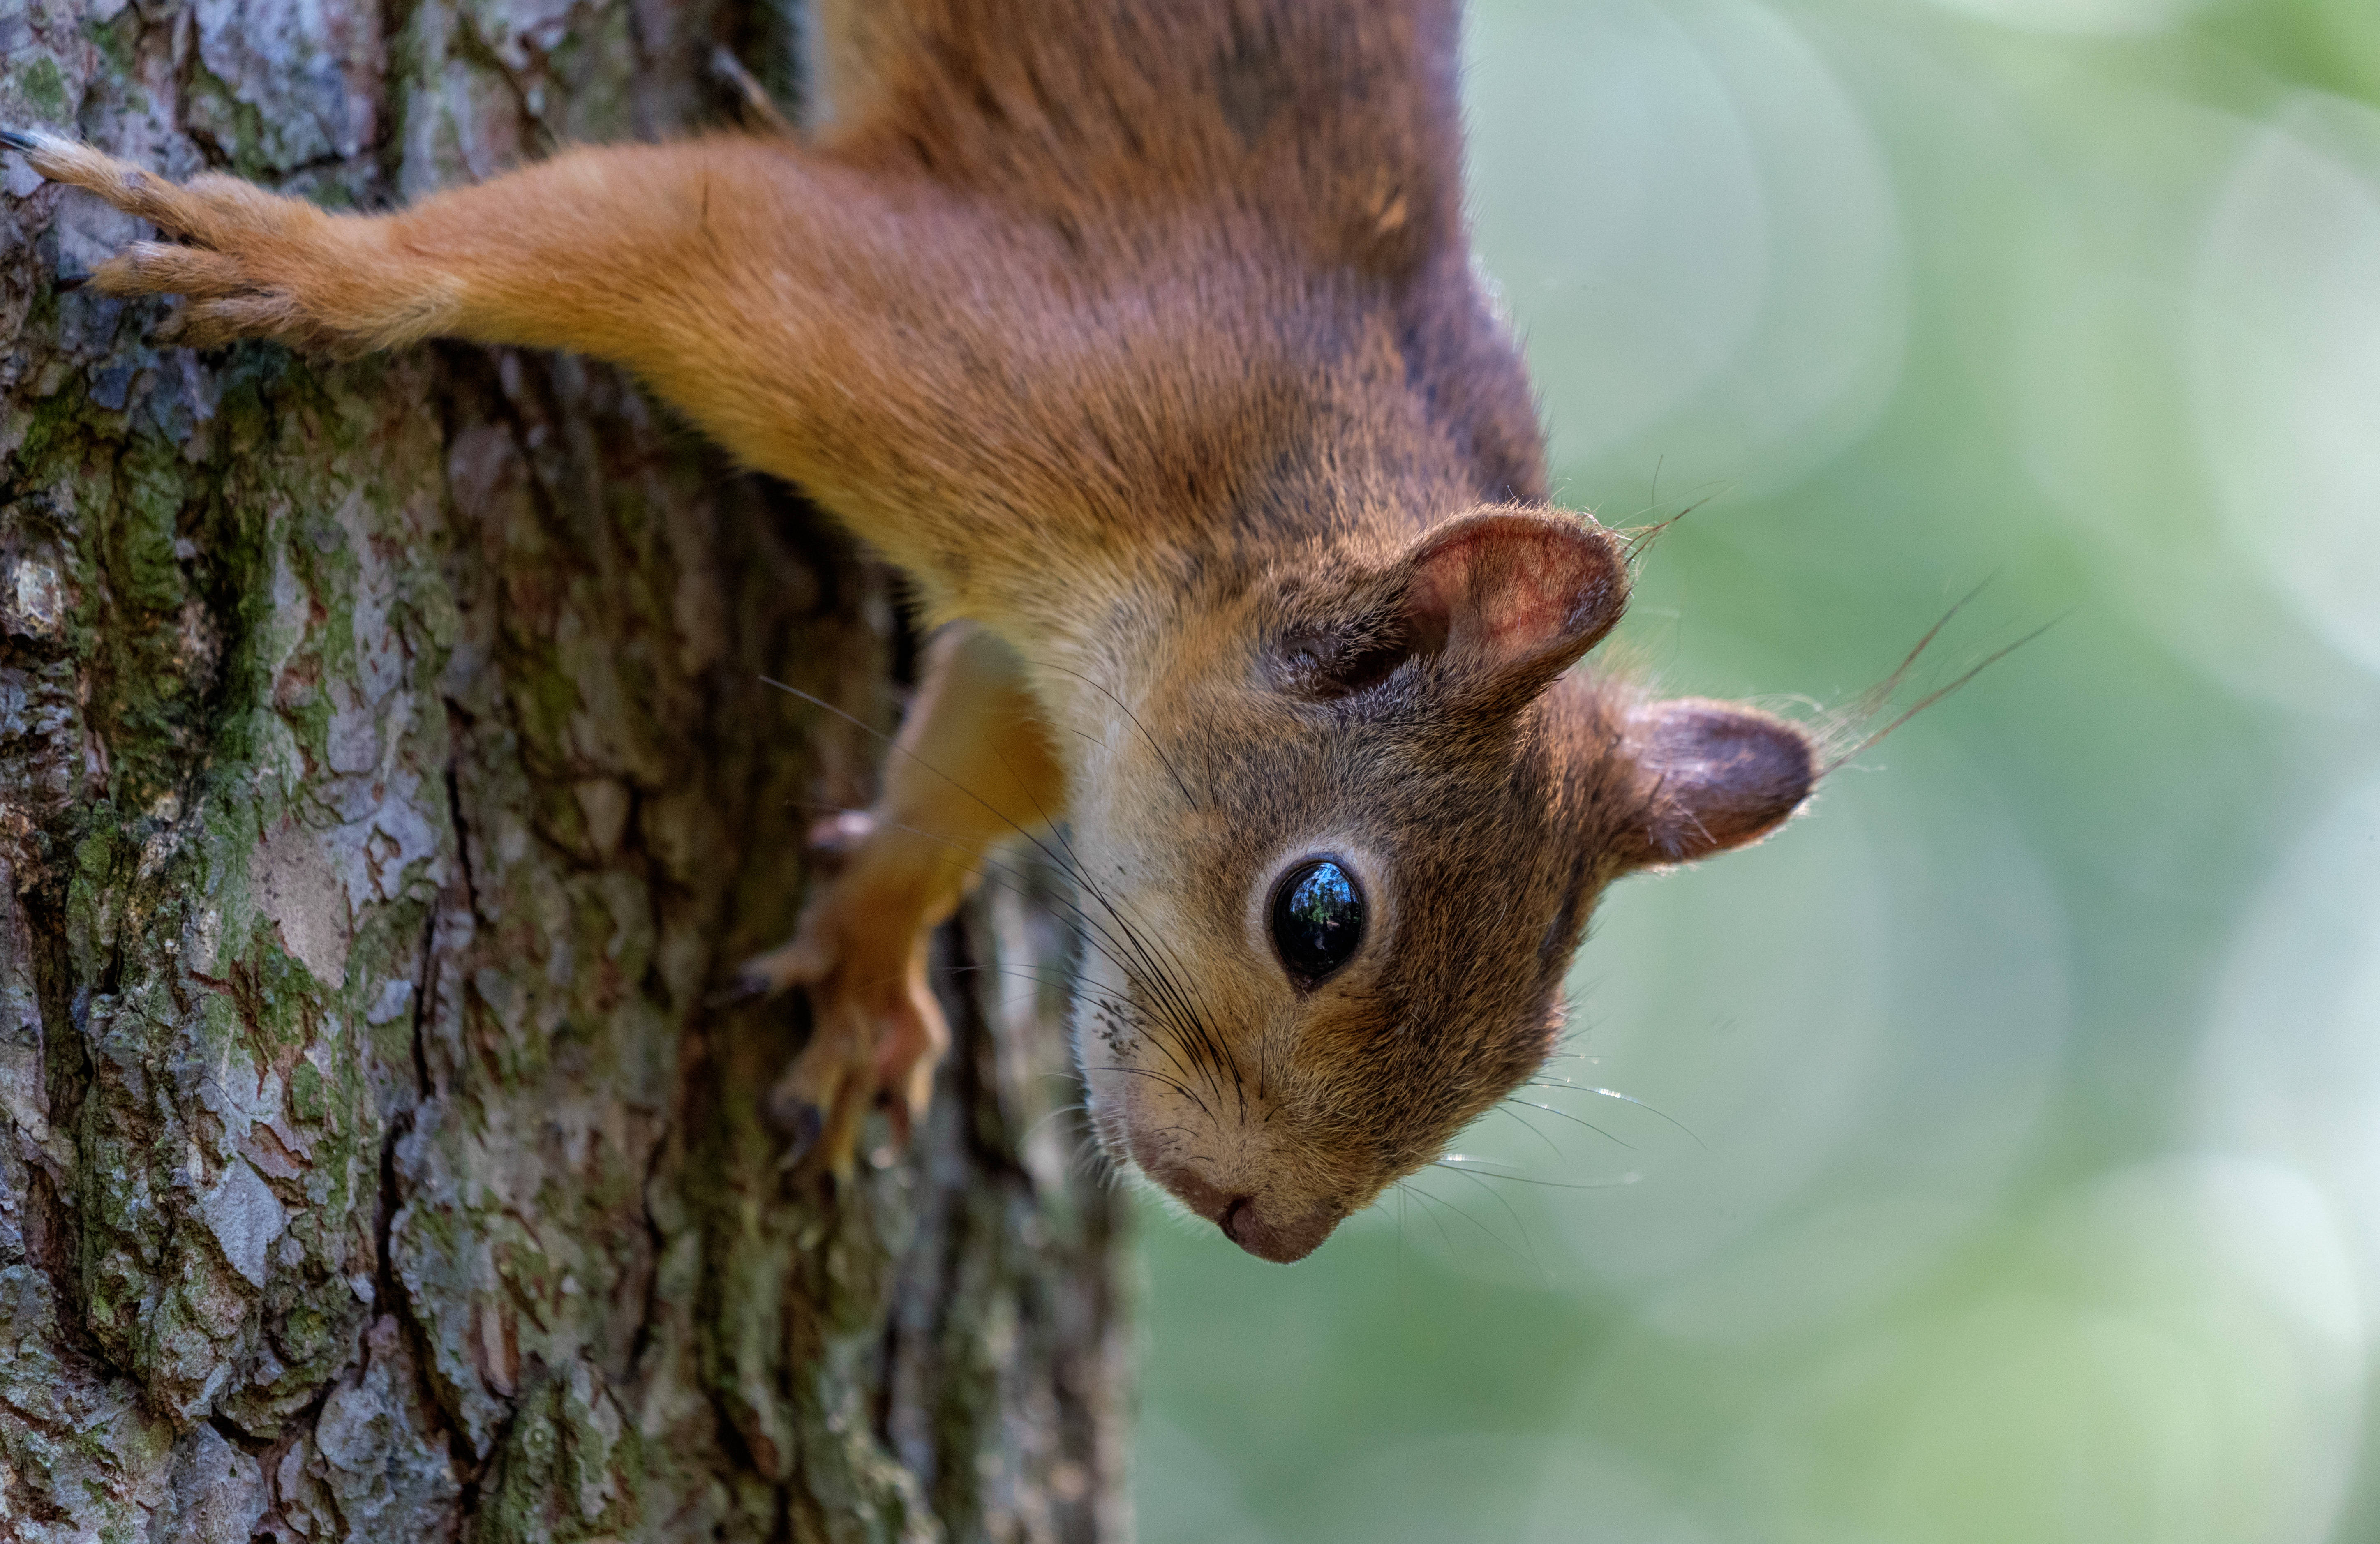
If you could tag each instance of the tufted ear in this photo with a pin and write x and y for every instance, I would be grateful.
(1507, 598)
(1510, 590)
(1714, 774)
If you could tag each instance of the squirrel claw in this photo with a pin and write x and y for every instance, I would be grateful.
(802, 1122)
(832, 838)
(819, 1104)
(877, 1034)
(876, 1037)
(766, 975)
(745, 985)
(17, 139)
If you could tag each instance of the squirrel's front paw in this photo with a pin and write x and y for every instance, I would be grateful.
(876, 1031)
(252, 264)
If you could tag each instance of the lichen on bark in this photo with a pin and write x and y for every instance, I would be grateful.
(387, 774)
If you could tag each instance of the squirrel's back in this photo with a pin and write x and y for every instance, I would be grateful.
(1319, 137)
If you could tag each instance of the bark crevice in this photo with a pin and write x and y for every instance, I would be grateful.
(386, 776)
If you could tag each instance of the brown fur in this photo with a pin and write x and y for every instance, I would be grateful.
(1143, 336)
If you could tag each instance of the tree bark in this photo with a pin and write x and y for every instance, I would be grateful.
(387, 777)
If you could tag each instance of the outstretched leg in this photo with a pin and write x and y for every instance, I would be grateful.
(626, 252)
(972, 768)
(811, 317)
(833, 327)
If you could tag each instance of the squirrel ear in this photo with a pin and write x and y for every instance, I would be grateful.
(1514, 592)
(1505, 597)
(1716, 776)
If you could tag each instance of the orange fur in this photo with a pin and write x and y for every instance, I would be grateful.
(1143, 336)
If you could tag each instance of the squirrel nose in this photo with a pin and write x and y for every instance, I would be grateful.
(1246, 1223)
(1264, 1226)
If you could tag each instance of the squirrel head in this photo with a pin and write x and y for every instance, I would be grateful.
(1354, 836)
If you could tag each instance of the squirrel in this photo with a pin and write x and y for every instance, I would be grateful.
(1143, 336)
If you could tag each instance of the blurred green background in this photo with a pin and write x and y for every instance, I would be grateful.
(2024, 1183)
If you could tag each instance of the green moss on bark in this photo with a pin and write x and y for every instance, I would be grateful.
(388, 780)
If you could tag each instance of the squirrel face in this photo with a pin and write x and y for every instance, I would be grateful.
(1147, 339)
(1396, 813)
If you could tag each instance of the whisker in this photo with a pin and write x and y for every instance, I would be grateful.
(1575, 1120)
(1211, 1047)
(1624, 1099)
(1175, 1083)
(1022, 972)
(1186, 797)
(867, 728)
(1213, 1051)
(1048, 1115)
(1500, 1106)
(1531, 1257)
(1176, 1007)
(1425, 1198)
(1455, 1160)
(1163, 981)
(986, 869)
(1403, 1300)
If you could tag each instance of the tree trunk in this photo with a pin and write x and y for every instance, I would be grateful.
(390, 774)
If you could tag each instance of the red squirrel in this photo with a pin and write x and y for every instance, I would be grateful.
(1143, 336)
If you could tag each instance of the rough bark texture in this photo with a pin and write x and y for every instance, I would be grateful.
(388, 777)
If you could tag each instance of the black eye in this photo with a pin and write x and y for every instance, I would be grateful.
(1317, 919)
